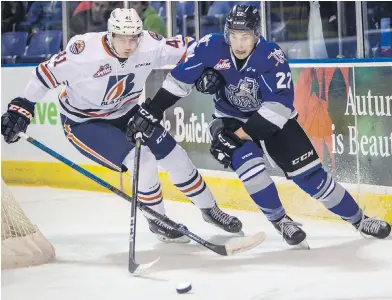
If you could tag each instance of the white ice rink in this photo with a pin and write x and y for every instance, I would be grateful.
(90, 233)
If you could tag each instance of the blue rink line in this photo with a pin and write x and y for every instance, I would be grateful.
(291, 61)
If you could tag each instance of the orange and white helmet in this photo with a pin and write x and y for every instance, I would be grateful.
(125, 21)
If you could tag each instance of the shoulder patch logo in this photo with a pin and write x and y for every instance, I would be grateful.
(77, 47)
(155, 36)
(205, 39)
(278, 55)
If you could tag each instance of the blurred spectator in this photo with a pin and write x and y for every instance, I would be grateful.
(82, 6)
(151, 20)
(40, 15)
(12, 13)
(223, 7)
(86, 5)
(116, 4)
(309, 29)
(92, 20)
(219, 8)
(378, 30)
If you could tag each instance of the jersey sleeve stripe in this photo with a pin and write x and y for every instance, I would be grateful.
(46, 74)
(54, 77)
(188, 42)
(37, 73)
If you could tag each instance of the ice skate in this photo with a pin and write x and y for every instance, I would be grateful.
(291, 232)
(222, 220)
(373, 227)
(165, 233)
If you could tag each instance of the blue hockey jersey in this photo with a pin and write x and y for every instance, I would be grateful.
(263, 84)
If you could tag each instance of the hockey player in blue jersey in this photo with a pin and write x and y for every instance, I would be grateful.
(254, 113)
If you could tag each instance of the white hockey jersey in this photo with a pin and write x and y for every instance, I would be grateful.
(96, 83)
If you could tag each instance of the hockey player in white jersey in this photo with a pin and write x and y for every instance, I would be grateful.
(103, 76)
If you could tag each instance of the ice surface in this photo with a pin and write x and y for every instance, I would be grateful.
(90, 233)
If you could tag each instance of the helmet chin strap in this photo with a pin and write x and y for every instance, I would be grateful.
(110, 36)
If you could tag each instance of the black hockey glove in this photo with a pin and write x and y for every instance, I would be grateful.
(223, 145)
(16, 119)
(209, 82)
(143, 121)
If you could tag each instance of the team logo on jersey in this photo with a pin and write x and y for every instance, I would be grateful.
(155, 36)
(77, 47)
(103, 70)
(223, 64)
(278, 55)
(118, 88)
(244, 96)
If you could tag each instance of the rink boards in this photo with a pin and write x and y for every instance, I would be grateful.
(346, 109)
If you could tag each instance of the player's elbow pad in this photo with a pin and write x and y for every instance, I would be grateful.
(259, 128)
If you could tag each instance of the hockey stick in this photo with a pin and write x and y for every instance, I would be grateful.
(133, 266)
(242, 244)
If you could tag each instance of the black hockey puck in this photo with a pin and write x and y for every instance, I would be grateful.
(184, 287)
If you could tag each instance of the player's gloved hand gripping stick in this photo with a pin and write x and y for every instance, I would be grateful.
(240, 244)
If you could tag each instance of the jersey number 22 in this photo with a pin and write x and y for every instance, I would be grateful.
(282, 82)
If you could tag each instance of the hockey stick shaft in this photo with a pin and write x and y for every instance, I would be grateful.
(219, 249)
(132, 265)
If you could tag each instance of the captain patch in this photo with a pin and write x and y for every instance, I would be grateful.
(77, 47)
(155, 36)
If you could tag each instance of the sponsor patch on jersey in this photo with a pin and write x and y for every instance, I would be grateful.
(155, 36)
(77, 47)
(103, 70)
(278, 55)
(223, 64)
(143, 65)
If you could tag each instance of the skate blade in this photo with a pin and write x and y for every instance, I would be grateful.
(240, 233)
(180, 240)
(302, 246)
